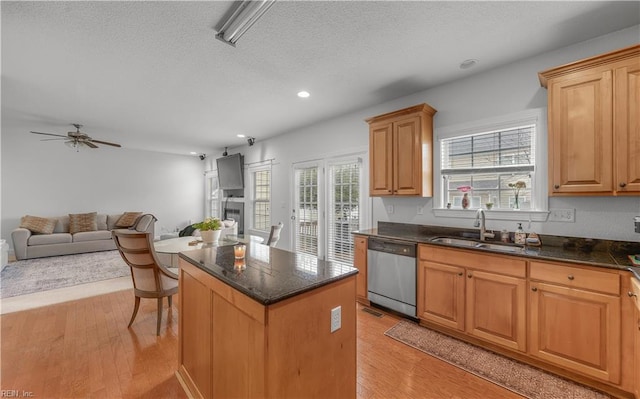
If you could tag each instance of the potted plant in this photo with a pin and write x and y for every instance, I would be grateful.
(209, 229)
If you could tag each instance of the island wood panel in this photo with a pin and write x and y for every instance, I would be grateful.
(194, 330)
(304, 358)
(285, 350)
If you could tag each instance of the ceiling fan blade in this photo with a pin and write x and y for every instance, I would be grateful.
(106, 143)
(61, 138)
(49, 134)
(89, 144)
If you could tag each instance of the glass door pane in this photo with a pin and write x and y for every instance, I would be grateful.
(344, 210)
(306, 210)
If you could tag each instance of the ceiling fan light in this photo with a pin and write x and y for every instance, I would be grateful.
(73, 144)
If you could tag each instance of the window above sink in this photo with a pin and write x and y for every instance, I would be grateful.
(493, 161)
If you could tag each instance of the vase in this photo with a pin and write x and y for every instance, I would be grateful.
(516, 203)
(465, 201)
(210, 236)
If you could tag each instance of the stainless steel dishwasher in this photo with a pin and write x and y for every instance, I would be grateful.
(391, 274)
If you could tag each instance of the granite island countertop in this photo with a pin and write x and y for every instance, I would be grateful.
(593, 252)
(267, 274)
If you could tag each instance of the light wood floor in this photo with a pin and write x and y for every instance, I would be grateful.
(83, 349)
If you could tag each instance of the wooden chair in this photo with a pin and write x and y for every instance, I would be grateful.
(150, 278)
(274, 235)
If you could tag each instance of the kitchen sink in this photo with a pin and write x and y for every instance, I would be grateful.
(459, 242)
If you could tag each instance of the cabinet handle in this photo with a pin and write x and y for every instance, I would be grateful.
(631, 294)
(557, 186)
(623, 184)
(469, 275)
(534, 289)
(460, 274)
(570, 277)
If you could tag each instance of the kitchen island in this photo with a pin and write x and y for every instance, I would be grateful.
(262, 326)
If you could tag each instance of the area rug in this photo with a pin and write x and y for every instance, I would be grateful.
(43, 274)
(515, 376)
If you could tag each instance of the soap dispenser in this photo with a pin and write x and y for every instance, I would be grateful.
(520, 237)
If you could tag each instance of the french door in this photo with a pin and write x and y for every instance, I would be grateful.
(328, 205)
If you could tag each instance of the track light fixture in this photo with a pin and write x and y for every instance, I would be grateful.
(202, 157)
(225, 153)
(251, 141)
(241, 19)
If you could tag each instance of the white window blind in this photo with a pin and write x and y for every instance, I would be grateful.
(262, 199)
(344, 210)
(487, 166)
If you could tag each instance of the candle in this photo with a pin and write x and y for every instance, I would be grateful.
(239, 250)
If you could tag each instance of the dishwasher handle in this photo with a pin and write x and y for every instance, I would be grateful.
(402, 248)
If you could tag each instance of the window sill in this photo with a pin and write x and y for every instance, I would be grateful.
(522, 215)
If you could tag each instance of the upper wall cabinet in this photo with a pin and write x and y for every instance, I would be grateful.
(401, 152)
(594, 125)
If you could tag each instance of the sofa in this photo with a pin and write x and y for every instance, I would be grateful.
(39, 237)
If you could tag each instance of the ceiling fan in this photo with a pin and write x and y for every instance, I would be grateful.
(77, 139)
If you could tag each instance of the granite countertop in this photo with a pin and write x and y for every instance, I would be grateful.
(593, 252)
(267, 274)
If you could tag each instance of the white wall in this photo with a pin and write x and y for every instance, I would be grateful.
(46, 178)
(498, 92)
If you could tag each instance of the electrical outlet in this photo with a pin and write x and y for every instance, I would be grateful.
(336, 318)
(562, 215)
(389, 208)
(420, 209)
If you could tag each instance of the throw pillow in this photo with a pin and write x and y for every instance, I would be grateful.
(128, 219)
(83, 222)
(37, 224)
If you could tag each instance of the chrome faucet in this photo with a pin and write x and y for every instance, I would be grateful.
(480, 222)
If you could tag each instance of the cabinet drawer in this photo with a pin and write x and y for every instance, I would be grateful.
(635, 290)
(575, 277)
(507, 265)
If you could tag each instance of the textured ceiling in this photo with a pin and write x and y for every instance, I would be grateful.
(151, 75)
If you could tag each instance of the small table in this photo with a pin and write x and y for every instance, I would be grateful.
(168, 250)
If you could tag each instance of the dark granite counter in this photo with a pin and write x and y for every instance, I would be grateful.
(267, 274)
(594, 252)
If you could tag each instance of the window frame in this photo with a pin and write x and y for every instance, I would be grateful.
(252, 178)
(540, 202)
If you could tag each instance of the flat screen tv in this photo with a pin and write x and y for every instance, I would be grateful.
(230, 172)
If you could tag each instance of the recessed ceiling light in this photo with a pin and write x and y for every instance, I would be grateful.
(466, 64)
(241, 136)
(303, 94)
(193, 153)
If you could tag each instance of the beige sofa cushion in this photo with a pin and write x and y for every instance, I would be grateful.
(45, 239)
(128, 219)
(92, 235)
(37, 224)
(79, 222)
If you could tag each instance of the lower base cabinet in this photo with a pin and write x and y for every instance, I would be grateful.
(572, 324)
(481, 295)
(562, 316)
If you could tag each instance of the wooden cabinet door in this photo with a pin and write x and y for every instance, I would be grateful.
(381, 159)
(580, 133)
(407, 149)
(360, 262)
(496, 306)
(627, 126)
(575, 329)
(441, 294)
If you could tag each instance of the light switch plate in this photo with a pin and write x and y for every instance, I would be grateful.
(336, 318)
(389, 208)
